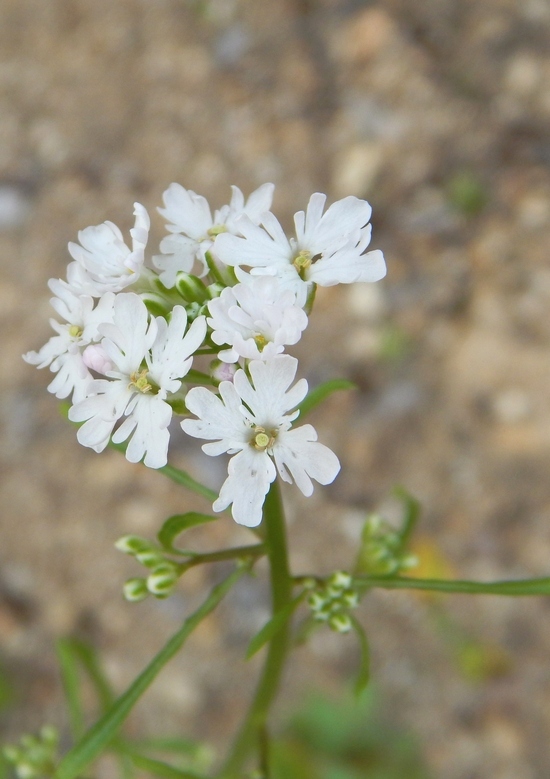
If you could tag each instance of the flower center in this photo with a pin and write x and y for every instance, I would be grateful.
(75, 331)
(260, 341)
(139, 380)
(216, 230)
(261, 439)
(302, 262)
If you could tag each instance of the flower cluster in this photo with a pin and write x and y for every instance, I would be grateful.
(231, 286)
(331, 601)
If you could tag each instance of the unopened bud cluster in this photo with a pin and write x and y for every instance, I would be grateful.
(164, 573)
(35, 756)
(332, 601)
(382, 550)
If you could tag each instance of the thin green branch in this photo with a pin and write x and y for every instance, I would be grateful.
(519, 587)
(235, 553)
(249, 737)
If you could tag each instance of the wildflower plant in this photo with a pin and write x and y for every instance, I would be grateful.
(233, 291)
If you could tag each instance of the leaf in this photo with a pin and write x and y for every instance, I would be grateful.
(105, 729)
(178, 524)
(322, 392)
(271, 628)
(411, 514)
(363, 675)
(71, 685)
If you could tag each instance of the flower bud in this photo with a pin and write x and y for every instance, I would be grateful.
(340, 623)
(132, 545)
(150, 558)
(340, 580)
(316, 601)
(162, 579)
(135, 590)
(96, 359)
(350, 598)
(222, 371)
(191, 288)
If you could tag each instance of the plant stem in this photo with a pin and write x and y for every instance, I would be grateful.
(250, 734)
(512, 587)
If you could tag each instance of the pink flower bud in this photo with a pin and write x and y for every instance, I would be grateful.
(95, 358)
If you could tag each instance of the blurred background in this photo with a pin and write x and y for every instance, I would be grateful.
(435, 111)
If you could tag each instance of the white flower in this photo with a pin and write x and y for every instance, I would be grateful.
(194, 230)
(328, 248)
(63, 352)
(251, 420)
(257, 320)
(103, 262)
(149, 357)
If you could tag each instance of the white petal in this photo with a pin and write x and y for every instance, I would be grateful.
(148, 426)
(220, 419)
(250, 474)
(347, 267)
(298, 452)
(186, 212)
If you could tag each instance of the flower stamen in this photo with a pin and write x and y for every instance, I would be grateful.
(139, 380)
(302, 263)
(263, 440)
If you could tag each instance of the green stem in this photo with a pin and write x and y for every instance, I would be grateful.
(243, 552)
(513, 587)
(249, 737)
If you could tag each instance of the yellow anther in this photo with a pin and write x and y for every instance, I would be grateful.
(75, 331)
(260, 341)
(262, 440)
(302, 262)
(140, 382)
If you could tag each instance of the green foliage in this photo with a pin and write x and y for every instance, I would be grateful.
(178, 524)
(384, 550)
(345, 739)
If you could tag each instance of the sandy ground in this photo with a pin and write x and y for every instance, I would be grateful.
(437, 113)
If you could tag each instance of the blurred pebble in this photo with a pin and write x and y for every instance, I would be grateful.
(357, 169)
(14, 207)
(511, 405)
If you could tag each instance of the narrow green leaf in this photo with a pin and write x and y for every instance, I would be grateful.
(518, 587)
(105, 729)
(411, 509)
(91, 663)
(71, 685)
(162, 769)
(272, 627)
(317, 395)
(178, 524)
(363, 675)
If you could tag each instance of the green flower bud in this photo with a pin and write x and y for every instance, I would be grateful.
(340, 623)
(191, 288)
(340, 580)
(316, 601)
(150, 558)
(135, 590)
(350, 598)
(162, 579)
(132, 545)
